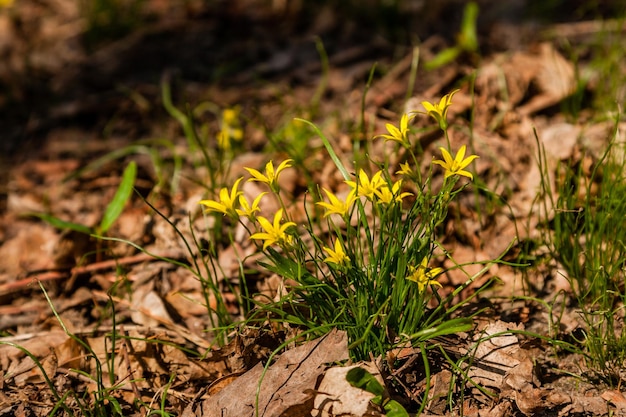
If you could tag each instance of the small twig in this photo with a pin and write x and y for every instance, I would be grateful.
(21, 284)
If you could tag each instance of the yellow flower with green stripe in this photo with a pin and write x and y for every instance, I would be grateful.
(248, 210)
(398, 134)
(338, 255)
(457, 165)
(335, 205)
(423, 275)
(367, 187)
(274, 233)
(439, 111)
(271, 175)
(228, 202)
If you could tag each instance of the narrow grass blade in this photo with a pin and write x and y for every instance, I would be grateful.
(116, 206)
(62, 224)
(449, 327)
(329, 148)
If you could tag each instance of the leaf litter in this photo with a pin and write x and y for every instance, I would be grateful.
(163, 347)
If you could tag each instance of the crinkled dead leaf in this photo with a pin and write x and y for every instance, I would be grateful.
(288, 386)
(337, 397)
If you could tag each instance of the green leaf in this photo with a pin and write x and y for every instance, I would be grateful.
(62, 224)
(123, 193)
(329, 149)
(395, 409)
(462, 324)
(468, 40)
(360, 378)
(442, 58)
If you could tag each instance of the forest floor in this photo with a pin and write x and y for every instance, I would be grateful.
(66, 106)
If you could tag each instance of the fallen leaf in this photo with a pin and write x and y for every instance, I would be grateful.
(286, 388)
(337, 397)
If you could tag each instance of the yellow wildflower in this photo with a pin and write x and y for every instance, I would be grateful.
(337, 256)
(439, 111)
(393, 195)
(337, 206)
(274, 233)
(271, 176)
(228, 202)
(398, 135)
(248, 210)
(423, 275)
(366, 187)
(405, 169)
(455, 166)
(230, 128)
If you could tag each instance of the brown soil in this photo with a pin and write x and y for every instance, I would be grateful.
(71, 96)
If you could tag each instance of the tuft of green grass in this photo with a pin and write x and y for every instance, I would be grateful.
(588, 238)
(369, 271)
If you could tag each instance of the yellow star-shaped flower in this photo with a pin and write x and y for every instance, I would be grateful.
(336, 206)
(456, 166)
(230, 129)
(366, 187)
(337, 256)
(228, 202)
(393, 195)
(248, 210)
(423, 275)
(405, 169)
(398, 135)
(439, 111)
(274, 233)
(271, 176)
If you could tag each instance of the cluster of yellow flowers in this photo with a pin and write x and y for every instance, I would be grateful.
(230, 129)
(234, 204)
(377, 189)
(439, 112)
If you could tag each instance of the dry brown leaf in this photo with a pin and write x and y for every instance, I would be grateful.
(17, 366)
(147, 308)
(616, 398)
(498, 359)
(555, 79)
(31, 248)
(286, 388)
(336, 397)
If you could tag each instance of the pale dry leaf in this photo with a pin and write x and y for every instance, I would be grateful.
(147, 308)
(498, 358)
(559, 141)
(501, 409)
(616, 398)
(595, 139)
(336, 397)
(287, 385)
(469, 258)
(588, 406)
(16, 365)
(534, 401)
(554, 77)
(31, 248)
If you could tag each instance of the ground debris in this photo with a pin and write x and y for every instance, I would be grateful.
(286, 388)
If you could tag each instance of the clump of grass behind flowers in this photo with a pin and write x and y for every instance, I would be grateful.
(588, 242)
(371, 272)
